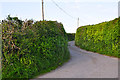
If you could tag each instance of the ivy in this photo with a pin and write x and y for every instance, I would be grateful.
(30, 49)
(102, 38)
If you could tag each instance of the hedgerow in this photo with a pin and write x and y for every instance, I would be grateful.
(71, 36)
(103, 38)
(32, 48)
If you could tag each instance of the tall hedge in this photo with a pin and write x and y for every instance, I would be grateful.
(103, 38)
(71, 36)
(31, 48)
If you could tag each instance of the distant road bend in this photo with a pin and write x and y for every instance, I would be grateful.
(85, 64)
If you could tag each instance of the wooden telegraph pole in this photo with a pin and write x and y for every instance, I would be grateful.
(78, 23)
(42, 10)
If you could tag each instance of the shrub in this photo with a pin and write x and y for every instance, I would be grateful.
(32, 48)
(71, 36)
(103, 38)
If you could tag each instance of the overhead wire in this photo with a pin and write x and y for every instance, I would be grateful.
(62, 9)
(67, 12)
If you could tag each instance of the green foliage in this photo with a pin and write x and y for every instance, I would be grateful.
(30, 49)
(103, 38)
(71, 36)
(1, 50)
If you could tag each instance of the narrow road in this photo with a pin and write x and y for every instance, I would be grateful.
(85, 64)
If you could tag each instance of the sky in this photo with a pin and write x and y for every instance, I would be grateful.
(89, 11)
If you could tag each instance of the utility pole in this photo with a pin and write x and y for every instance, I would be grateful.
(78, 23)
(42, 10)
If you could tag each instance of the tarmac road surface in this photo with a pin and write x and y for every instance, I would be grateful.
(85, 64)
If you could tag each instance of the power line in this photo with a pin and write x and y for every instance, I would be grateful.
(84, 21)
(67, 13)
(63, 10)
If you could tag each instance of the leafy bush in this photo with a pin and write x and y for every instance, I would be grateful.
(71, 36)
(32, 48)
(103, 38)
